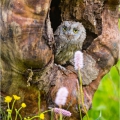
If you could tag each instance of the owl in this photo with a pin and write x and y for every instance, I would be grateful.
(69, 37)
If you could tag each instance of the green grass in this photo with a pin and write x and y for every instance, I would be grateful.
(119, 24)
(106, 101)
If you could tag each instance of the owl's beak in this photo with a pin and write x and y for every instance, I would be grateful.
(69, 37)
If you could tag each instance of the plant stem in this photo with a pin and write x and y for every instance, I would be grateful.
(78, 87)
(60, 112)
(80, 112)
(39, 116)
(8, 116)
(17, 112)
(13, 104)
(81, 90)
(46, 111)
(34, 117)
(39, 96)
(81, 93)
(51, 115)
(20, 117)
(8, 105)
(60, 116)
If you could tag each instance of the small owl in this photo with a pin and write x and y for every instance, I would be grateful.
(69, 37)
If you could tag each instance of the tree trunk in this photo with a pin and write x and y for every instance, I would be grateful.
(27, 49)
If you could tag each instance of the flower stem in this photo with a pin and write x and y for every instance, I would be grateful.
(52, 115)
(39, 101)
(9, 114)
(8, 117)
(39, 116)
(60, 112)
(78, 87)
(8, 105)
(81, 90)
(34, 117)
(46, 111)
(60, 116)
(17, 112)
(13, 104)
(81, 93)
(80, 112)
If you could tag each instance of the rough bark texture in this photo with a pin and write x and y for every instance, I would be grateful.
(24, 48)
(27, 46)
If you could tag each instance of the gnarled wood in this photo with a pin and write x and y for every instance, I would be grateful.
(27, 50)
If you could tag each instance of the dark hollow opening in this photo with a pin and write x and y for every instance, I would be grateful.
(89, 39)
(55, 14)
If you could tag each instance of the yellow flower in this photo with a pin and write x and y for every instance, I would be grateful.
(16, 97)
(23, 105)
(42, 116)
(8, 99)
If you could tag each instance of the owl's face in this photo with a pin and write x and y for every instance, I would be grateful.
(70, 31)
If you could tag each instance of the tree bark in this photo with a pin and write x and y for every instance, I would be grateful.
(25, 55)
(27, 50)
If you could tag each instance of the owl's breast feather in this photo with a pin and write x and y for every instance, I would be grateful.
(65, 53)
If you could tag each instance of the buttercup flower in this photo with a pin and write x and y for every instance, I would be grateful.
(23, 105)
(78, 60)
(16, 97)
(8, 99)
(42, 117)
(61, 96)
(64, 112)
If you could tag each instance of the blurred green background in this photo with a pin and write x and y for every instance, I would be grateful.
(106, 101)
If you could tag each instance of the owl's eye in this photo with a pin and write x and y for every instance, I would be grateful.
(75, 30)
(64, 28)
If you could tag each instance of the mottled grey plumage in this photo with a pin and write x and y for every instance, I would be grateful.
(69, 37)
